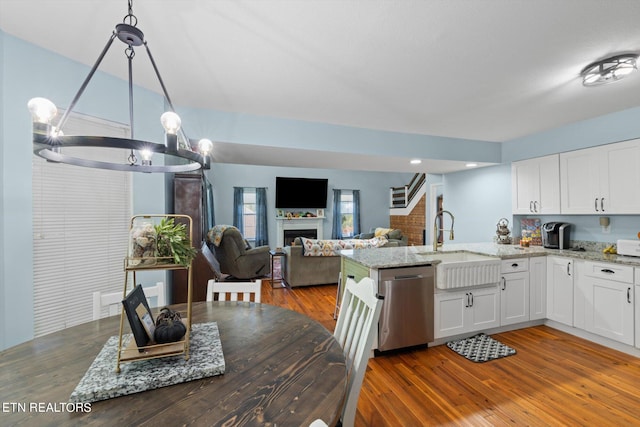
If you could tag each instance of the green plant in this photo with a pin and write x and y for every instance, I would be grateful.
(173, 242)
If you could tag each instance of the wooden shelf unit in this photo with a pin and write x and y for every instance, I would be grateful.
(132, 352)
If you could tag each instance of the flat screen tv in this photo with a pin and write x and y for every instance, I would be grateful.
(301, 193)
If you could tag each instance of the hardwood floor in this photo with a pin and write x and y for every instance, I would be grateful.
(555, 379)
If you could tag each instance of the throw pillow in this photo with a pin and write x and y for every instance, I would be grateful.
(381, 231)
(395, 234)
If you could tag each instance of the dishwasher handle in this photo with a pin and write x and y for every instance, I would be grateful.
(407, 277)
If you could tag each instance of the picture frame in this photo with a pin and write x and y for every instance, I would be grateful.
(320, 213)
(139, 316)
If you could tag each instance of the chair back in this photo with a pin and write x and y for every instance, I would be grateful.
(235, 291)
(356, 327)
(113, 300)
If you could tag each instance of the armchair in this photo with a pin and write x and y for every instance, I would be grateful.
(235, 257)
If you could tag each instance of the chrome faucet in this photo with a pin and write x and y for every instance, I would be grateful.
(435, 229)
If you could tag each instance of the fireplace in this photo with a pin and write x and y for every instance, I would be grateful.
(290, 235)
(290, 228)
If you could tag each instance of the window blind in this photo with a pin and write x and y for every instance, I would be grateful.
(81, 225)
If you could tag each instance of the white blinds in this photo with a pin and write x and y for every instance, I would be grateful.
(81, 225)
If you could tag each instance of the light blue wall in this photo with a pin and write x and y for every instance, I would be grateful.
(276, 132)
(478, 198)
(28, 71)
(373, 186)
(4, 303)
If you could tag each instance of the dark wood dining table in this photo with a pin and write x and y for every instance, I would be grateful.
(281, 369)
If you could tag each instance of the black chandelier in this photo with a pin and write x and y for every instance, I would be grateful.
(49, 141)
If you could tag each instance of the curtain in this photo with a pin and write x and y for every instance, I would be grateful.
(238, 204)
(356, 212)
(336, 229)
(262, 235)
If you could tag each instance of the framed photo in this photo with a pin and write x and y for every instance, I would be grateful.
(280, 213)
(320, 213)
(139, 316)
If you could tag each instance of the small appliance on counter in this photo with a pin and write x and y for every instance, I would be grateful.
(629, 247)
(556, 235)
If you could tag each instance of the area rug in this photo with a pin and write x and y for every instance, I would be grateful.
(481, 348)
(102, 382)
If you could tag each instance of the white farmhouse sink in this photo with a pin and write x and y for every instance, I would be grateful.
(464, 269)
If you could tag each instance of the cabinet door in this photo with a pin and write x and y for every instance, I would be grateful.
(610, 308)
(560, 290)
(579, 186)
(514, 298)
(484, 309)
(620, 178)
(549, 182)
(535, 186)
(450, 311)
(537, 288)
(524, 186)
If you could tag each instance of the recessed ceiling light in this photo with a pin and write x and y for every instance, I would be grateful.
(471, 165)
(415, 161)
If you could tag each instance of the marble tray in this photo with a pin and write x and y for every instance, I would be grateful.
(101, 381)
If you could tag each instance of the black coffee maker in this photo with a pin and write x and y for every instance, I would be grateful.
(556, 235)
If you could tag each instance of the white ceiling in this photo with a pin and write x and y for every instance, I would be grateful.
(490, 70)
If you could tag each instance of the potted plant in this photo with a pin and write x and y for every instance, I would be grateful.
(173, 243)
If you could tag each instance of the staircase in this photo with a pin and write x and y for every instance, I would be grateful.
(401, 197)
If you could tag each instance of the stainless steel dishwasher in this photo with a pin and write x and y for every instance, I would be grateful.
(407, 312)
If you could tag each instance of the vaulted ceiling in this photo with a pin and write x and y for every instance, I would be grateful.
(490, 70)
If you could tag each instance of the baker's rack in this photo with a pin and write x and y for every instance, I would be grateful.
(132, 352)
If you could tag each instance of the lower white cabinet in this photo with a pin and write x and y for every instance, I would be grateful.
(514, 291)
(514, 298)
(560, 289)
(471, 310)
(637, 281)
(537, 288)
(609, 300)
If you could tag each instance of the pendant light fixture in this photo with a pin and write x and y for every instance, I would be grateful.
(50, 142)
(609, 70)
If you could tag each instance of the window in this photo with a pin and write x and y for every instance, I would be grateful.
(346, 213)
(249, 214)
(80, 230)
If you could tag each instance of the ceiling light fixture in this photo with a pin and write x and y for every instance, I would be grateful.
(49, 141)
(609, 70)
(471, 165)
(415, 161)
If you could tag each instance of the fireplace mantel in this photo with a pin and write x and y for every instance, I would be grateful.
(302, 223)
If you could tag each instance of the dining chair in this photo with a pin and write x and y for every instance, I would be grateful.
(232, 291)
(113, 300)
(355, 329)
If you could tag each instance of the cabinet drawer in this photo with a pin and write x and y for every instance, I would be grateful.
(514, 265)
(603, 270)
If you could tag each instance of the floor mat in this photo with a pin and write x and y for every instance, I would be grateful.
(481, 348)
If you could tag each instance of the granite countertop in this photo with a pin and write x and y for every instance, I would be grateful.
(405, 256)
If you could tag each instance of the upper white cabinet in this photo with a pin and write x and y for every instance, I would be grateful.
(601, 180)
(535, 186)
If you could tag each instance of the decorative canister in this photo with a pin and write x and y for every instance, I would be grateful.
(144, 244)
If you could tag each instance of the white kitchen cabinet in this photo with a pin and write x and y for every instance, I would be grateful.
(637, 299)
(601, 180)
(609, 298)
(514, 298)
(537, 288)
(560, 289)
(465, 311)
(535, 186)
(514, 291)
